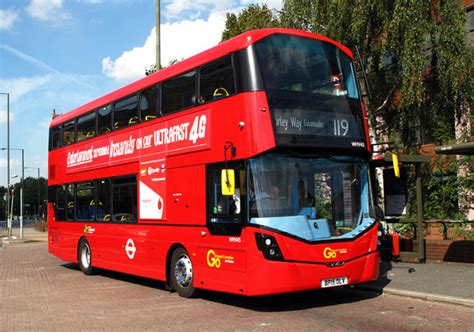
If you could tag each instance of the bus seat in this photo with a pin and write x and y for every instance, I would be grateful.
(220, 93)
(117, 125)
(106, 217)
(90, 133)
(150, 117)
(133, 120)
(104, 130)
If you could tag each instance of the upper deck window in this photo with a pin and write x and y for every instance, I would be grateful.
(104, 119)
(86, 127)
(125, 112)
(297, 64)
(312, 93)
(55, 138)
(149, 106)
(217, 80)
(179, 92)
(68, 132)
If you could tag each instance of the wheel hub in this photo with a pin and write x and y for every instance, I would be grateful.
(183, 271)
(85, 256)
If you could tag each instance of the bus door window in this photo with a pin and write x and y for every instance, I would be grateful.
(217, 80)
(225, 211)
(124, 199)
(125, 112)
(68, 133)
(85, 201)
(104, 200)
(86, 127)
(104, 119)
(179, 93)
(149, 109)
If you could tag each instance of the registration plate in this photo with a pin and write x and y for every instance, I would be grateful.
(334, 282)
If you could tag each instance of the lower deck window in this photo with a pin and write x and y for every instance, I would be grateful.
(125, 199)
(106, 200)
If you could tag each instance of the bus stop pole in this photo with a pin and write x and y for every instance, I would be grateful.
(419, 208)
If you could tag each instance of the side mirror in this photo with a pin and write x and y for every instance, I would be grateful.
(228, 182)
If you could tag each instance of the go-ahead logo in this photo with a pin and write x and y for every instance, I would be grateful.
(332, 253)
(215, 260)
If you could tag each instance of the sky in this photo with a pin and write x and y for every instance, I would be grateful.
(60, 54)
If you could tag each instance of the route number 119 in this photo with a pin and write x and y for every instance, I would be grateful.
(341, 127)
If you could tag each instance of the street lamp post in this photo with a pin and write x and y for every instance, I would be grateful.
(21, 191)
(37, 168)
(8, 156)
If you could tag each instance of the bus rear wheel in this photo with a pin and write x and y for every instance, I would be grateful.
(85, 257)
(181, 273)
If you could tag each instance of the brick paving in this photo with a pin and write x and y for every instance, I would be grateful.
(40, 292)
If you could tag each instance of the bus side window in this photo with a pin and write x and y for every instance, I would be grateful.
(85, 201)
(60, 200)
(68, 133)
(104, 119)
(70, 202)
(179, 93)
(124, 199)
(86, 127)
(149, 105)
(125, 112)
(217, 80)
(104, 200)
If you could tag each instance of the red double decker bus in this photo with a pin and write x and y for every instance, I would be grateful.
(243, 169)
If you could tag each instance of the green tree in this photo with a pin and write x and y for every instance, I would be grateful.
(30, 196)
(152, 69)
(419, 65)
(250, 18)
(419, 68)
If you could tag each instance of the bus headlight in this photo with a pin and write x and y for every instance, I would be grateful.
(268, 245)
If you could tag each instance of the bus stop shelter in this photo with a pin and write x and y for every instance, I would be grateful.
(465, 149)
(407, 160)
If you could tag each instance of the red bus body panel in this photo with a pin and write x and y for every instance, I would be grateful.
(224, 263)
(243, 269)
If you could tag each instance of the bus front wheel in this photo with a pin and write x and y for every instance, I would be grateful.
(85, 257)
(181, 273)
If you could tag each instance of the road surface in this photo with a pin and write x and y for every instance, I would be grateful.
(40, 292)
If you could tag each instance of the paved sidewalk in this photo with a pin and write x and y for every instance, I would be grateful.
(30, 234)
(432, 281)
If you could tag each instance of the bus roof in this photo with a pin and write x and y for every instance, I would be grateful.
(234, 44)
